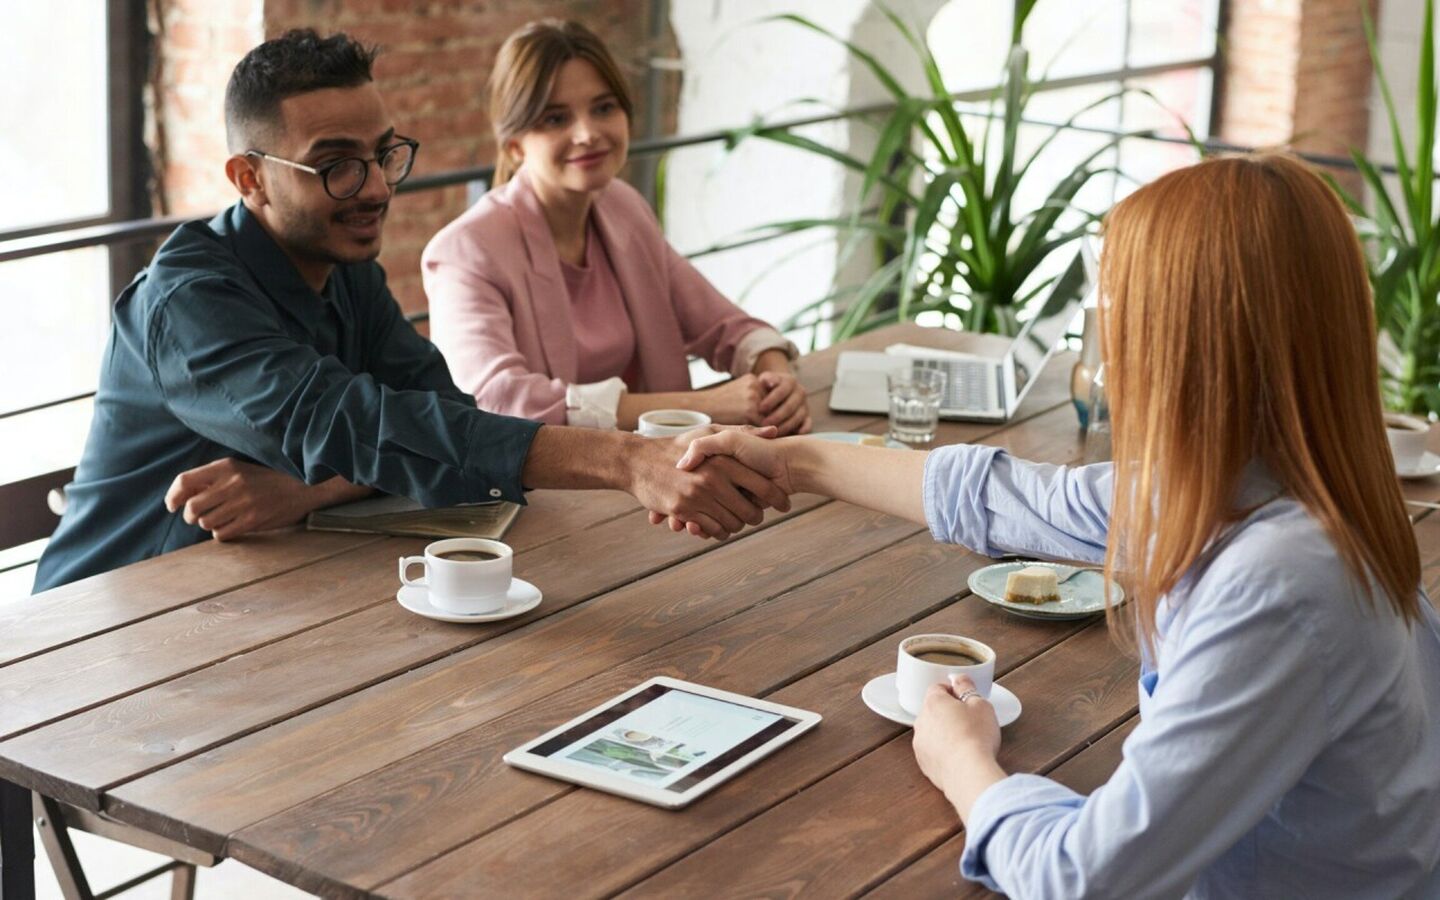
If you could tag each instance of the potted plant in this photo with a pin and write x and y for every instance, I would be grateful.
(937, 201)
(1402, 238)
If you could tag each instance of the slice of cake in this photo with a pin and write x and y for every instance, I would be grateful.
(872, 440)
(1032, 584)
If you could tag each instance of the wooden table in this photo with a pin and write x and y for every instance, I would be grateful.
(268, 700)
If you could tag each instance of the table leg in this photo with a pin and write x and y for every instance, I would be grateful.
(17, 844)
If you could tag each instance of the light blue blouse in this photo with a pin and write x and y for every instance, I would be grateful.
(1289, 742)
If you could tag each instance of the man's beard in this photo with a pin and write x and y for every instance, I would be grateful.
(308, 235)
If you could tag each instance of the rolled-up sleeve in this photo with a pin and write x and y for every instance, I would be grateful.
(993, 503)
(231, 374)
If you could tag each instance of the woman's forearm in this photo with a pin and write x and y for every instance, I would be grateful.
(891, 481)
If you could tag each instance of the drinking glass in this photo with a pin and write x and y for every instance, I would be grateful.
(915, 404)
(1097, 431)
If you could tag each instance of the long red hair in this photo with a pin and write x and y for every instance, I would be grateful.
(1237, 324)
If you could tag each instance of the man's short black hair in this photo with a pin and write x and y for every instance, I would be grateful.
(296, 62)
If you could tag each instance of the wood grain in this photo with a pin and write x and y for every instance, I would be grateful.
(532, 854)
(937, 873)
(97, 604)
(173, 720)
(846, 831)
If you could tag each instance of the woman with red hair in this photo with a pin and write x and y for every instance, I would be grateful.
(1289, 736)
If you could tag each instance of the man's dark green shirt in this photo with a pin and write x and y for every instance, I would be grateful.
(220, 349)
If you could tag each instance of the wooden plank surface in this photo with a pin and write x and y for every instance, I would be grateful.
(274, 702)
(297, 825)
(844, 832)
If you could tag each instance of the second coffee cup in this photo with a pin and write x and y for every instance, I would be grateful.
(469, 576)
(670, 422)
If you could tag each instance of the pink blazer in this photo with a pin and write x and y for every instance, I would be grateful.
(500, 311)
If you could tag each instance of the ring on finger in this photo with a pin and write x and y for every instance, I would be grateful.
(967, 695)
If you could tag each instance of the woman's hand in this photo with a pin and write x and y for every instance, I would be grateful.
(784, 403)
(770, 398)
(956, 742)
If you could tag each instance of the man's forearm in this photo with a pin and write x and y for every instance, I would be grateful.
(563, 457)
(334, 491)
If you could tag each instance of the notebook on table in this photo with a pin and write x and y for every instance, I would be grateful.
(404, 517)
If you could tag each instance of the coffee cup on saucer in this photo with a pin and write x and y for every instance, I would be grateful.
(1407, 436)
(468, 576)
(926, 659)
(670, 422)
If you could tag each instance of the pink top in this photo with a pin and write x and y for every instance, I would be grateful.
(604, 337)
(502, 314)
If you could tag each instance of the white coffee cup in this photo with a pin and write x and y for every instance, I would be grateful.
(670, 422)
(459, 585)
(1407, 436)
(914, 674)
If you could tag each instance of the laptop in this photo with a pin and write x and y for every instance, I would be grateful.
(978, 388)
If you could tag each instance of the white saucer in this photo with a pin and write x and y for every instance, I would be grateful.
(1428, 465)
(522, 597)
(879, 694)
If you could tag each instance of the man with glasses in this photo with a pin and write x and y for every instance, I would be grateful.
(260, 368)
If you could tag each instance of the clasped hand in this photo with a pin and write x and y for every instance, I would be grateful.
(731, 451)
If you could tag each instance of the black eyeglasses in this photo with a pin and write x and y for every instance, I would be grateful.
(344, 178)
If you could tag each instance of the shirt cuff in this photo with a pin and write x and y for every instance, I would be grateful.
(755, 343)
(594, 405)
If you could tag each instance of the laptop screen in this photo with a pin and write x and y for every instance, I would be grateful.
(1044, 331)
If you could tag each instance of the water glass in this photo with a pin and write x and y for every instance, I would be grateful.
(1097, 431)
(915, 404)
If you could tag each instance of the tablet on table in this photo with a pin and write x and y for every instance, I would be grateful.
(664, 742)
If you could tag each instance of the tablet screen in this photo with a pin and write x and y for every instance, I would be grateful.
(666, 738)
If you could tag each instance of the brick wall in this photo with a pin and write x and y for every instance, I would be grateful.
(198, 43)
(1297, 73)
(437, 57)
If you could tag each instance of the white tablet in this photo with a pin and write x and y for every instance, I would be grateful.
(664, 742)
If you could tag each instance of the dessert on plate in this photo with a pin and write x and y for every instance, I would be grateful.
(1032, 584)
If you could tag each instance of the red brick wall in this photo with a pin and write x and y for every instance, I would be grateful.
(437, 57)
(1297, 73)
(198, 43)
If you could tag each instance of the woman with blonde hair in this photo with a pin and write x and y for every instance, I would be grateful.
(556, 296)
(1289, 741)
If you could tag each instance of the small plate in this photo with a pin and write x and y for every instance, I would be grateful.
(521, 598)
(879, 694)
(1428, 465)
(1081, 596)
(853, 437)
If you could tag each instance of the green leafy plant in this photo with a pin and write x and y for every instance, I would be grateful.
(937, 200)
(1402, 238)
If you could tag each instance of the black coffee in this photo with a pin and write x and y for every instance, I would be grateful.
(947, 657)
(467, 556)
(672, 423)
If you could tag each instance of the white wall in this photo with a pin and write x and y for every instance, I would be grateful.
(1399, 44)
(735, 70)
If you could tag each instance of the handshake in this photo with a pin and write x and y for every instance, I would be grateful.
(713, 481)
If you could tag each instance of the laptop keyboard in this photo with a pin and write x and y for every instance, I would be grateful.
(965, 382)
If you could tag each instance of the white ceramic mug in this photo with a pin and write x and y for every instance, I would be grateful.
(464, 586)
(670, 422)
(1407, 436)
(913, 675)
